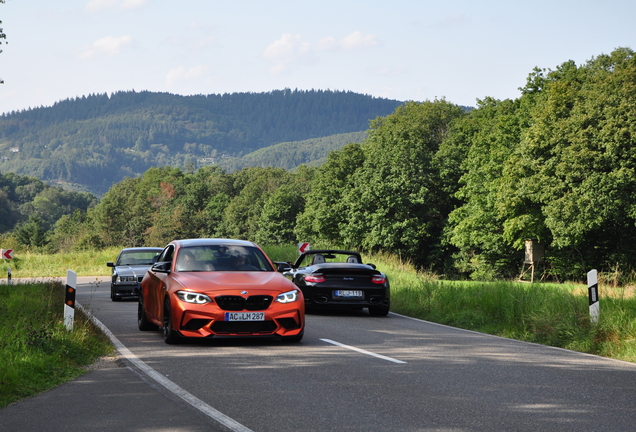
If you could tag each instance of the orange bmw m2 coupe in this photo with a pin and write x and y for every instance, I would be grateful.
(202, 288)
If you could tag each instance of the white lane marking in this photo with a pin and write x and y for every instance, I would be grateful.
(174, 388)
(363, 351)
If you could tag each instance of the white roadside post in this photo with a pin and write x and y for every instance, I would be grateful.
(7, 254)
(592, 290)
(69, 302)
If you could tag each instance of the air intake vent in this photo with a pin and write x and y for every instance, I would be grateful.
(245, 327)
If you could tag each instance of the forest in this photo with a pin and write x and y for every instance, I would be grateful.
(91, 142)
(455, 191)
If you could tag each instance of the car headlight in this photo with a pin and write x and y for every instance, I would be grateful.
(193, 297)
(287, 297)
(125, 279)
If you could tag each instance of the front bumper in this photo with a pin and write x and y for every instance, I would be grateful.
(125, 289)
(208, 320)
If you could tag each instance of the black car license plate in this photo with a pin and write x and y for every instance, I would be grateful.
(348, 293)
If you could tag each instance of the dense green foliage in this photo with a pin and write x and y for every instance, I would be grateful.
(98, 140)
(32, 207)
(38, 352)
(556, 165)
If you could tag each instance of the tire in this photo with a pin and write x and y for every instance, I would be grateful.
(142, 320)
(379, 311)
(294, 339)
(170, 335)
(113, 297)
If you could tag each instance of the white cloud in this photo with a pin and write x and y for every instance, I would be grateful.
(181, 74)
(94, 5)
(290, 48)
(109, 45)
(286, 48)
(358, 40)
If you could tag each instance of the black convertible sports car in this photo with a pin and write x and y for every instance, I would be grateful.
(338, 279)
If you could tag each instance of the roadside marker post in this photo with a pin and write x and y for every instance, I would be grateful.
(7, 254)
(69, 302)
(592, 291)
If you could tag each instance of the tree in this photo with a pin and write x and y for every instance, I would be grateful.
(572, 181)
(254, 186)
(323, 213)
(485, 139)
(31, 233)
(278, 216)
(397, 202)
(556, 165)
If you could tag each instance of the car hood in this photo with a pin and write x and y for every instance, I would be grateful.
(223, 281)
(131, 270)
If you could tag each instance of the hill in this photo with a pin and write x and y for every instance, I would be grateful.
(94, 141)
(289, 155)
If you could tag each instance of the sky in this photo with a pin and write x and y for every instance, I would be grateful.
(460, 50)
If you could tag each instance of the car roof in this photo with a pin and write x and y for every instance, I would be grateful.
(212, 241)
(142, 249)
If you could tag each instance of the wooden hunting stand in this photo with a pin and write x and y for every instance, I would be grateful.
(534, 256)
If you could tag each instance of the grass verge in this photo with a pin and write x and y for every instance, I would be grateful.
(38, 352)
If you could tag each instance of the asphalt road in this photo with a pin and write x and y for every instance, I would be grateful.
(354, 372)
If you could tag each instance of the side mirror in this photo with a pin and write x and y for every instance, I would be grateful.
(162, 267)
(282, 266)
(371, 265)
(110, 264)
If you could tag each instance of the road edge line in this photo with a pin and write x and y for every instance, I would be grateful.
(169, 385)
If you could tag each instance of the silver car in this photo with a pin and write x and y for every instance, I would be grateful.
(129, 269)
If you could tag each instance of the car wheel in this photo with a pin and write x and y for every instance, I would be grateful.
(294, 339)
(170, 335)
(379, 311)
(142, 320)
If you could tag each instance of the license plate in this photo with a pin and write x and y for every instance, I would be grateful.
(348, 293)
(244, 316)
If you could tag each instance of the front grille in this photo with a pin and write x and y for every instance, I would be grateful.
(238, 303)
(139, 278)
(248, 327)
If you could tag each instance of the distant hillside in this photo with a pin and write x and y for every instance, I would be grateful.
(311, 152)
(97, 140)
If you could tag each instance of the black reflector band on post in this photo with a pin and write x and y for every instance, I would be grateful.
(69, 299)
(70, 296)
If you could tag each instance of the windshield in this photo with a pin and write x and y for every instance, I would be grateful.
(328, 257)
(222, 258)
(131, 258)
